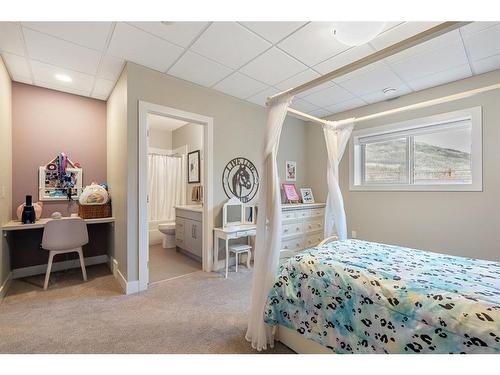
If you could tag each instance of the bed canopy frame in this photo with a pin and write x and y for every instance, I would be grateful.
(337, 134)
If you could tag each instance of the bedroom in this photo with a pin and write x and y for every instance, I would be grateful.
(377, 167)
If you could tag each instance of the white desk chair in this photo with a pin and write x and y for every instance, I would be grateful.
(63, 236)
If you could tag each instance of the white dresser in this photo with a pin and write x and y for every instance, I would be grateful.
(302, 227)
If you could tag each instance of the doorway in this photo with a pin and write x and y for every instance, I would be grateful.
(175, 170)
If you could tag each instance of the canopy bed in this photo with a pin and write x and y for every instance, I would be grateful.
(390, 290)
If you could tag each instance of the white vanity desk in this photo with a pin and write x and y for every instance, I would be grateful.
(40, 223)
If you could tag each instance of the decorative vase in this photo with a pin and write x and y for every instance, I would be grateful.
(38, 206)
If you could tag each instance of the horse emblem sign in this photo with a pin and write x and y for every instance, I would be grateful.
(240, 179)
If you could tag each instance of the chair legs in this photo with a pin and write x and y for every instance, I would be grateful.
(49, 267)
(82, 264)
(51, 259)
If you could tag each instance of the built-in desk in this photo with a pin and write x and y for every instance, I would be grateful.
(26, 257)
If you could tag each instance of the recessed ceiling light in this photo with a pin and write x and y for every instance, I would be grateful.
(357, 33)
(64, 78)
(389, 91)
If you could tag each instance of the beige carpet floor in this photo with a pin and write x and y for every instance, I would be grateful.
(166, 264)
(197, 313)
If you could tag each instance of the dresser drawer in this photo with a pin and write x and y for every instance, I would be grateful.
(292, 229)
(313, 240)
(292, 245)
(303, 214)
(288, 215)
(316, 212)
(313, 226)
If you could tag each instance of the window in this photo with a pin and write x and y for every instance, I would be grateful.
(441, 152)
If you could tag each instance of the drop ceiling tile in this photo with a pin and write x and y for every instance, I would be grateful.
(11, 38)
(303, 106)
(329, 96)
(110, 67)
(70, 90)
(313, 43)
(442, 77)
(88, 34)
(346, 105)
(344, 58)
(484, 43)
(45, 73)
(102, 88)
(229, 44)
(475, 27)
(374, 78)
(22, 79)
(198, 69)
(262, 96)
(399, 33)
(379, 96)
(431, 61)
(17, 65)
(315, 89)
(240, 85)
(320, 113)
(135, 45)
(60, 53)
(273, 66)
(298, 79)
(273, 31)
(486, 65)
(180, 33)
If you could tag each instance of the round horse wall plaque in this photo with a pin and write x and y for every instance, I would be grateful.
(240, 179)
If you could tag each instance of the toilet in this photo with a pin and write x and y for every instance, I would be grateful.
(168, 231)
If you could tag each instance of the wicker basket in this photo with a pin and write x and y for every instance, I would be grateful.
(94, 211)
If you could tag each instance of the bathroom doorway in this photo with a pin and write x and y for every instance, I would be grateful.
(174, 238)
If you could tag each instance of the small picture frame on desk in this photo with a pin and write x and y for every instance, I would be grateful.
(291, 195)
(307, 195)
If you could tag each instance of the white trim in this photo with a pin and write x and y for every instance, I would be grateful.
(128, 287)
(4, 288)
(40, 269)
(144, 109)
(474, 114)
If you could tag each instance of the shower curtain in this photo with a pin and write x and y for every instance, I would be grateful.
(166, 186)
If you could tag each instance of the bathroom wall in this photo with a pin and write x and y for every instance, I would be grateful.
(160, 139)
(5, 170)
(457, 223)
(190, 135)
(46, 122)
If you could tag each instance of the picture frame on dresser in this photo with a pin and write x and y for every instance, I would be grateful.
(290, 193)
(307, 195)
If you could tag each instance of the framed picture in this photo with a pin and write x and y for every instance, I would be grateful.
(55, 181)
(307, 195)
(290, 171)
(194, 167)
(291, 194)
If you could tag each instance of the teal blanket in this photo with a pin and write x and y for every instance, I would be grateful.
(361, 297)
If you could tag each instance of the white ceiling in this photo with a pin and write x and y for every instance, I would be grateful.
(164, 123)
(248, 60)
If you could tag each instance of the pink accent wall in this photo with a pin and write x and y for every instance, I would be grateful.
(46, 122)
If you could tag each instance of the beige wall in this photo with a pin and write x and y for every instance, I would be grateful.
(5, 166)
(62, 122)
(160, 139)
(117, 167)
(238, 131)
(190, 135)
(458, 223)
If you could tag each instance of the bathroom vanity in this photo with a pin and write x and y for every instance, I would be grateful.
(189, 230)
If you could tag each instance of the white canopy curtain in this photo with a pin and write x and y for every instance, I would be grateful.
(337, 135)
(166, 186)
(268, 241)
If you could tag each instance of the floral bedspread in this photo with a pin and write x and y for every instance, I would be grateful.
(361, 297)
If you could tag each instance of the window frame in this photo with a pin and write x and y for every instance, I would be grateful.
(356, 160)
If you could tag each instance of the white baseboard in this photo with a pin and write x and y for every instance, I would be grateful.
(128, 287)
(5, 286)
(42, 268)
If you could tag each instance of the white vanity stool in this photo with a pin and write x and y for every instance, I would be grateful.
(238, 249)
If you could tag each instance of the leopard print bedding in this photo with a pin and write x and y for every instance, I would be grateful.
(362, 297)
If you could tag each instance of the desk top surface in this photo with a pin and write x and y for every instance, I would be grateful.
(17, 225)
(236, 228)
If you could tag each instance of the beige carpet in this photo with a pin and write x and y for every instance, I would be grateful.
(166, 264)
(197, 313)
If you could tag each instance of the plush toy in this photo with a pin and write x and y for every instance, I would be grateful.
(94, 194)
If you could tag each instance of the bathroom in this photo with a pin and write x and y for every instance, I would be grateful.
(175, 194)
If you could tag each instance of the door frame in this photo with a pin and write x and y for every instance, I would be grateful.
(146, 108)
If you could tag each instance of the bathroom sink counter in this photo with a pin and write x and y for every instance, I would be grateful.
(191, 207)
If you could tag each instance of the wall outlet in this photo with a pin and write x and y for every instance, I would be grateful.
(353, 234)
